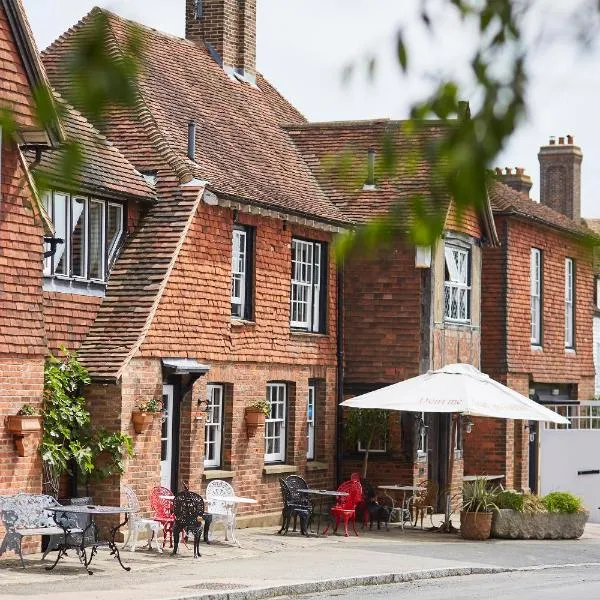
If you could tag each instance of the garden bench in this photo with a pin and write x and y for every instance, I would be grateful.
(24, 515)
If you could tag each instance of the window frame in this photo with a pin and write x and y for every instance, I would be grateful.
(276, 457)
(311, 407)
(381, 450)
(245, 300)
(423, 438)
(458, 286)
(536, 298)
(210, 423)
(316, 289)
(107, 255)
(569, 303)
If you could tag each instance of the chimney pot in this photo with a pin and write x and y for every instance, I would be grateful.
(517, 179)
(552, 140)
(561, 141)
(498, 171)
(570, 140)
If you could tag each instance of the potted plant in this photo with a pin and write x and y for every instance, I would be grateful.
(477, 510)
(145, 413)
(26, 422)
(256, 414)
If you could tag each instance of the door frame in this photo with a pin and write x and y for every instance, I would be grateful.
(175, 381)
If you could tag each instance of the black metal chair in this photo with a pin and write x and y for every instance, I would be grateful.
(188, 508)
(295, 504)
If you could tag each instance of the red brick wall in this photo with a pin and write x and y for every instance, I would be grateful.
(382, 313)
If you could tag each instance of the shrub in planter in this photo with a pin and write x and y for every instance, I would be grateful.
(562, 502)
(477, 510)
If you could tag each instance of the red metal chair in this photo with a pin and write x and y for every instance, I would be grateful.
(345, 506)
(163, 511)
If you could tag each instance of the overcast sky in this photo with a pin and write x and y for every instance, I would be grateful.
(303, 46)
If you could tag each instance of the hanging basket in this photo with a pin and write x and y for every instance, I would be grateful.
(141, 420)
(22, 427)
(255, 418)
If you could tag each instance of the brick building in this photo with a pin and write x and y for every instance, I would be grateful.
(405, 311)
(537, 312)
(225, 290)
(22, 228)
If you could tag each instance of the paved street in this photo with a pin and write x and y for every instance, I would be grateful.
(556, 584)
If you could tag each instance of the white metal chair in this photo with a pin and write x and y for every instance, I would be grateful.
(136, 523)
(221, 511)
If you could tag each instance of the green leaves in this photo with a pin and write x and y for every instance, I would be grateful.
(68, 435)
(401, 51)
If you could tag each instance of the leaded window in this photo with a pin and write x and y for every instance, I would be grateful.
(457, 286)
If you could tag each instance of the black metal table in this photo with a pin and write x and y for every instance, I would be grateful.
(320, 497)
(87, 547)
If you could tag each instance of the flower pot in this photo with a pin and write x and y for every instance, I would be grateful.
(22, 427)
(23, 424)
(475, 525)
(141, 420)
(254, 419)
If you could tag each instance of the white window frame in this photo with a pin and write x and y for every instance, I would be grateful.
(423, 439)
(305, 295)
(457, 290)
(275, 422)
(381, 449)
(311, 404)
(569, 303)
(239, 268)
(598, 293)
(535, 276)
(65, 250)
(213, 426)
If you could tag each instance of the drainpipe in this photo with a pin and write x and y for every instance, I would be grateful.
(340, 372)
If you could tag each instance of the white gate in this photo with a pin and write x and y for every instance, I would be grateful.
(569, 455)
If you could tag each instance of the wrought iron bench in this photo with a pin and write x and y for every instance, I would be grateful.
(25, 515)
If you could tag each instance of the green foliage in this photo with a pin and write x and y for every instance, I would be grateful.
(562, 502)
(261, 405)
(478, 496)
(68, 436)
(27, 411)
(509, 499)
(154, 405)
(533, 504)
(364, 425)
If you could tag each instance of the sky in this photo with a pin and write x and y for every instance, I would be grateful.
(304, 46)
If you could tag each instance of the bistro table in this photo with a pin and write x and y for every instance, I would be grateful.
(230, 502)
(90, 536)
(407, 492)
(320, 497)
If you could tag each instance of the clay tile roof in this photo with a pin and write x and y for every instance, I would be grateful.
(506, 200)
(320, 143)
(105, 170)
(241, 148)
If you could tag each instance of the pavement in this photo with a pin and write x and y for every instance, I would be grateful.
(268, 565)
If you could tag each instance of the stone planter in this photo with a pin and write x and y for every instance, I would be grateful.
(22, 427)
(475, 525)
(142, 420)
(510, 524)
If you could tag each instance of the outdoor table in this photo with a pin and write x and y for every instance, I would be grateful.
(89, 542)
(486, 477)
(230, 502)
(320, 496)
(405, 489)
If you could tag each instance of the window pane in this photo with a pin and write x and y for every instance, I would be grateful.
(78, 264)
(213, 426)
(60, 226)
(47, 200)
(238, 273)
(457, 289)
(114, 230)
(96, 242)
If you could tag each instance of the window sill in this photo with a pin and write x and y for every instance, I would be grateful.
(570, 352)
(242, 323)
(217, 474)
(64, 285)
(315, 465)
(277, 469)
(536, 348)
(307, 334)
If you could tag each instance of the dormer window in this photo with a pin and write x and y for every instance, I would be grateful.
(92, 232)
(370, 182)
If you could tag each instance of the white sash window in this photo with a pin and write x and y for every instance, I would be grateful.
(275, 423)
(457, 287)
(307, 284)
(536, 296)
(213, 428)
(310, 421)
(569, 306)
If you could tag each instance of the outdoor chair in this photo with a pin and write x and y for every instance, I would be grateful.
(369, 497)
(163, 512)
(345, 506)
(188, 510)
(424, 502)
(219, 511)
(294, 504)
(136, 523)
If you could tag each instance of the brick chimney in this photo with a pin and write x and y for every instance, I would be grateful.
(228, 29)
(517, 179)
(560, 176)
